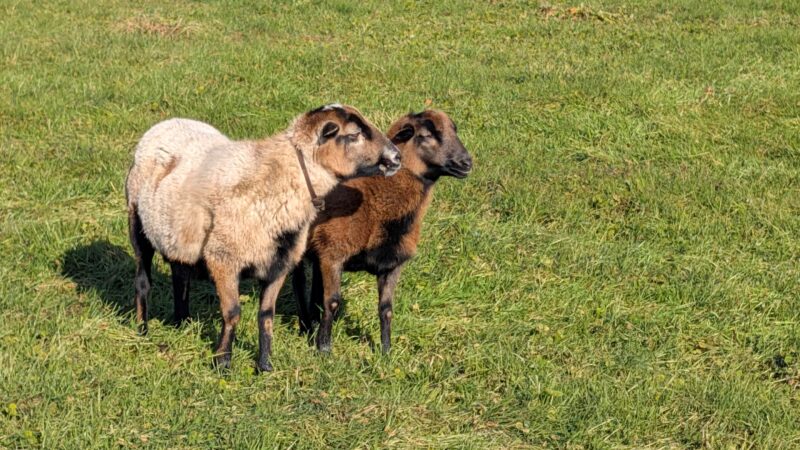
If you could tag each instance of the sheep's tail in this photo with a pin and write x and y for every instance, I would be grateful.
(179, 233)
(132, 186)
(145, 171)
(192, 226)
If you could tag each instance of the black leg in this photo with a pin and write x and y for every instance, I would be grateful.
(299, 288)
(181, 276)
(386, 284)
(143, 253)
(331, 280)
(317, 293)
(266, 314)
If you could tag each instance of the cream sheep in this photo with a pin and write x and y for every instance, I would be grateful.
(207, 202)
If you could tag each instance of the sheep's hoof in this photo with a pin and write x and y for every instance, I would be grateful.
(265, 366)
(222, 361)
(324, 348)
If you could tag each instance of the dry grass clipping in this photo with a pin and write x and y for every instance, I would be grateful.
(156, 26)
(580, 12)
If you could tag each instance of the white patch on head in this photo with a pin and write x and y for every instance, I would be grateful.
(332, 106)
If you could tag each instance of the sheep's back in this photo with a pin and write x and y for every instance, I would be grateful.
(162, 145)
(174, 218)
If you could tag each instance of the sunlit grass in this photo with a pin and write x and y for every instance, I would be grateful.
(620, 270)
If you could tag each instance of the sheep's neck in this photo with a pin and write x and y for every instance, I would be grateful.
(417, 192)
(424, 200)
(318, 181)
(318, 202)
(279, 154)
(322, 181)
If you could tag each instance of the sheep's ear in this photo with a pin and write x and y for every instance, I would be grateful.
(328, 131)
(405, 133)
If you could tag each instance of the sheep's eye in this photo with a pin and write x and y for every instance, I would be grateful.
(348, 139)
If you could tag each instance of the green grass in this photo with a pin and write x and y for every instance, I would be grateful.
(619, 271)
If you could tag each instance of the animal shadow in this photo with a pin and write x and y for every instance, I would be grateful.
(108, 270)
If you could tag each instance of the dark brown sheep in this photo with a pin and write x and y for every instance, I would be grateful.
(373, 224)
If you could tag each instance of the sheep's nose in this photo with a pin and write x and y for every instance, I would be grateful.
(390, 159)
(466, 164)
(459, 167)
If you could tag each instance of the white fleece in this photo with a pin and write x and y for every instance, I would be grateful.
(200, 194)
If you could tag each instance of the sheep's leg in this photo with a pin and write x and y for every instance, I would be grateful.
(181, 275)
(143, 252)
(227, 283)
(299, 288)
(317, 293)
(386, 284)
(266, 313)
(331, 281)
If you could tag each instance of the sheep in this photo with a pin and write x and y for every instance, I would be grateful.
(209, 203)
(373, 224)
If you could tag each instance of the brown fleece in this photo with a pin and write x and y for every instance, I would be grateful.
(356, 210)
(373, 224)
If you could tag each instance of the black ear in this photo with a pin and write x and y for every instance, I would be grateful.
(405, 133)
(328, 131)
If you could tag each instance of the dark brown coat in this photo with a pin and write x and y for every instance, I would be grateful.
(373, 224)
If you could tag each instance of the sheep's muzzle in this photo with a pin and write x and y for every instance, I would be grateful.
(389, 163)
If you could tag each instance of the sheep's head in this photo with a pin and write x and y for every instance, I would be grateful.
(345, 143)
(429, 142)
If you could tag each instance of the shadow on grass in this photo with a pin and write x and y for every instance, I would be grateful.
(107, 270)
(352, 328)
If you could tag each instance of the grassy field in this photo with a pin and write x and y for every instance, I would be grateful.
(619, 271)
